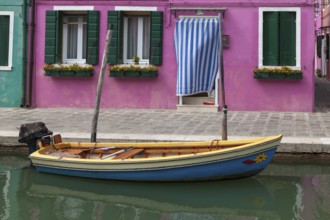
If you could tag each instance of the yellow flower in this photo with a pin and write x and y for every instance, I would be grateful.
(260, 158)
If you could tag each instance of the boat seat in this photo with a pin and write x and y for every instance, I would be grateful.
(77, 151)
(129, 153)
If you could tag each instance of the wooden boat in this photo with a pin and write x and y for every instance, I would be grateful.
(159, 161)
(166, 161)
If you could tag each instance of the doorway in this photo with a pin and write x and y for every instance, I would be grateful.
(196, 47)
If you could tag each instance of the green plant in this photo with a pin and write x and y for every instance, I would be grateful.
(134, 68)
(136, 59)
(318, 72)
(283, 69)
(68, 67)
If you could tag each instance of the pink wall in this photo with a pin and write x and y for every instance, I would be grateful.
(242, 90)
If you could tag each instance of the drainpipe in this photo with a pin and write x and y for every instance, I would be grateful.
(31, 55)
(24, 12)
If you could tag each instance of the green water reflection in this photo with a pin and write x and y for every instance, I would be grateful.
(295, 190)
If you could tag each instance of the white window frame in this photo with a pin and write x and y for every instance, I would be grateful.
(298, 33)
(133, 8)
(128, 60)
(79, 42)
(72, 8)
(11, 39)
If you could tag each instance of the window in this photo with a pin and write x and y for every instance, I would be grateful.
(136, 38)
(137, 33)
(279, 37)
(6, 39)
(72, 37)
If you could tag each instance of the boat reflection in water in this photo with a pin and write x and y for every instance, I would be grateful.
(291, 190)
(283, 191)
(74, 198)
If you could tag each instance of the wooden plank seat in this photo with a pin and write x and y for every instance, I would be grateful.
(129, 153)
(179, 151)
(76, 151)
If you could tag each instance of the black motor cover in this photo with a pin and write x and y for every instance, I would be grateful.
(31, 132)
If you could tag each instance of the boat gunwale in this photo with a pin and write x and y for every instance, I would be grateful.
(225, 151)
(135, 169)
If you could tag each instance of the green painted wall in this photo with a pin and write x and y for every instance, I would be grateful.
(11, 81)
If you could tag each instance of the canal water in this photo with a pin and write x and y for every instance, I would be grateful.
(287, 189)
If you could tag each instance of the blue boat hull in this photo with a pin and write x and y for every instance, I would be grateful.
(229, 168)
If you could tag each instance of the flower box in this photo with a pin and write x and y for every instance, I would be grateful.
(149, 74)
(52, 73)
(66, 70)
(294, 76)
(84, 73)
(67, 73)
(119, 74)
(137, 71)
(132, 73)
(277, 73)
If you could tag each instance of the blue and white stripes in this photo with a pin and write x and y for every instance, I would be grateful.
(196, 48)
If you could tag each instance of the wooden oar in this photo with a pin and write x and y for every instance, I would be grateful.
(115, 153)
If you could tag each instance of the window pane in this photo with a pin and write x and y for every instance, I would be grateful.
(76, 36)
(4, 40)
(132, 35)
(72, 38)
(146, 38)
(72, 20)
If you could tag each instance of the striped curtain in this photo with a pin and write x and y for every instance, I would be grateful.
(196, 48)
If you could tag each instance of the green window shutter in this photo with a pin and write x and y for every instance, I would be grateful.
(53, 37)
(4, 39)
(93, 24)
(115, 55)
(156, 38)
(287, 54)
(319, 45)
(271, 39)
(50, 40)
(59, 37)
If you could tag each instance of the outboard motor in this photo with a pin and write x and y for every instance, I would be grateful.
(31, 132)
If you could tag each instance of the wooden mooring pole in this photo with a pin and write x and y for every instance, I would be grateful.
(222, 78)
(100, 84)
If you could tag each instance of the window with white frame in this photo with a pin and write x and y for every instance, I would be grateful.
(6, 39)
(136, 38)
(74, 38)
(72, 35)
(279, 37)
(137, 31)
